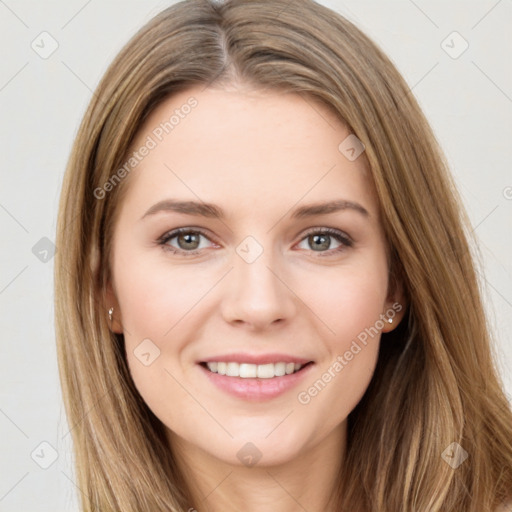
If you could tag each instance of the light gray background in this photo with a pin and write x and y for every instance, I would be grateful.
(468, 101)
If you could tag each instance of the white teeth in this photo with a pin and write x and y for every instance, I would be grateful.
(266, 371)
(232, 369)
(251, 371)
(248, 371)
(280, 369)
(221, 368)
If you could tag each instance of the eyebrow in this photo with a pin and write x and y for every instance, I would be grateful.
(213, 211)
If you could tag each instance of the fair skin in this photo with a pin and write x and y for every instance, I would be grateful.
(259, 156)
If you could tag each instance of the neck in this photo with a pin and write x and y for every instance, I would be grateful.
(308, 481)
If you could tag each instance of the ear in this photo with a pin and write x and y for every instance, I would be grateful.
(112, 302)
(395, 306)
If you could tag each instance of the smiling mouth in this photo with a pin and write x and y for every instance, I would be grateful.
(251, 371)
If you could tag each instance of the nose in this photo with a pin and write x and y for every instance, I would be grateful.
(257, 295)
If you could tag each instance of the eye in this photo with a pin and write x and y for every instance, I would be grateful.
(187, 241)
(183, 240)
(320, 240)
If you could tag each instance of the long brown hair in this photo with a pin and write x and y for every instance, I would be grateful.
(436, 381)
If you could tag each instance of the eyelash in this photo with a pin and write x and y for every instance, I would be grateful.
(345, 241)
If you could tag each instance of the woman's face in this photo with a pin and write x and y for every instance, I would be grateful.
(281, 264)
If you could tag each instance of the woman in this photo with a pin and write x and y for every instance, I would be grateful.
(267, 300)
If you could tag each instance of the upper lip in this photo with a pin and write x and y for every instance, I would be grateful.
(256, 359)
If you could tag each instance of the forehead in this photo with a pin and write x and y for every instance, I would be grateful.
(258, 146)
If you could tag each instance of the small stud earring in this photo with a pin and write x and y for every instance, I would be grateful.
(110, 316)
(390, 320)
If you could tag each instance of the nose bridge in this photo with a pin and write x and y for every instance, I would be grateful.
(257, 294)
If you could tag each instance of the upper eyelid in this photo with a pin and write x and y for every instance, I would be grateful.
(172, 233)
(328, 230)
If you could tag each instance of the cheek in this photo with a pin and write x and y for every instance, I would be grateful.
(154, 297)
(346, 300)
(158, 303)
(349, 301)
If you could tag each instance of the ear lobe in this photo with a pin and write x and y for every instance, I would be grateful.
(116, 324)
(395, 307)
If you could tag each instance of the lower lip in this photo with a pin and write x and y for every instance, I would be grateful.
(257, 389)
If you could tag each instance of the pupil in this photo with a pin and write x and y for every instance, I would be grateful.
(318, 243)
(189, 238)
